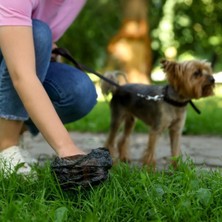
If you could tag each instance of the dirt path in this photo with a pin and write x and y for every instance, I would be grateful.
(203, 150)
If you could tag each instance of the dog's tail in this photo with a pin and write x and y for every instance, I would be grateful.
(115, 76)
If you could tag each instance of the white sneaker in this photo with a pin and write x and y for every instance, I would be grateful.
(13, 159)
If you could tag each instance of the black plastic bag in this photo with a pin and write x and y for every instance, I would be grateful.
(82, 170)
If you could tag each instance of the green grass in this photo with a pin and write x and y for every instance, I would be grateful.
(208, 122)
(130, 194)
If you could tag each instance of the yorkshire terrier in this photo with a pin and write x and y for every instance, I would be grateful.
(159, 106)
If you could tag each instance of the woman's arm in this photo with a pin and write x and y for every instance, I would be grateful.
(16, 43)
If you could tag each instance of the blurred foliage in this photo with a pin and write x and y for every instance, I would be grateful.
(197, 25)
(187, 27)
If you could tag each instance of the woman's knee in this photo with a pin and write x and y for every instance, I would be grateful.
(82, 100)
(87, 96)
(71, 91)
(83, 97)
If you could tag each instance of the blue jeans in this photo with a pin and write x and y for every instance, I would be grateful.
(71, 91)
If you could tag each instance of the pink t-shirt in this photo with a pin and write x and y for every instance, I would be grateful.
(58, 14)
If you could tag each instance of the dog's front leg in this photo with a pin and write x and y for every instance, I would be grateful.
(149, 154)
(175, 132)
(175, 136)
(110, 142)
(175, 143)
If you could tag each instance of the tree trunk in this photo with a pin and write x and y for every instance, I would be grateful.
(130, 49)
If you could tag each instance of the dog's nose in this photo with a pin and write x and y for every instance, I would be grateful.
(211, 79)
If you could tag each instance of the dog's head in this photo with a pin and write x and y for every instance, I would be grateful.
(191, 79)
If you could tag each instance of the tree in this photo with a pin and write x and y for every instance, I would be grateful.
(130, 48)
(195, 30)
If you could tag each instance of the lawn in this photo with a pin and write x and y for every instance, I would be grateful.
(130, 194)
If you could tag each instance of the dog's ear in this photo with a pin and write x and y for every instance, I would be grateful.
(173, 72)
(168, 66)
(209, 64)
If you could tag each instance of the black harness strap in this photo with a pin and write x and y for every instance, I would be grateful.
(66, 54)
(175, 103)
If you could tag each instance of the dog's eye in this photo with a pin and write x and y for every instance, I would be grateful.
(197, 73)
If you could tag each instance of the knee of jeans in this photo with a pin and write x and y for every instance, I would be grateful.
(42, 36)
(82, 101)
(85, 96)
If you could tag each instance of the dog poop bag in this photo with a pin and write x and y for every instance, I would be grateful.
(82, 170)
